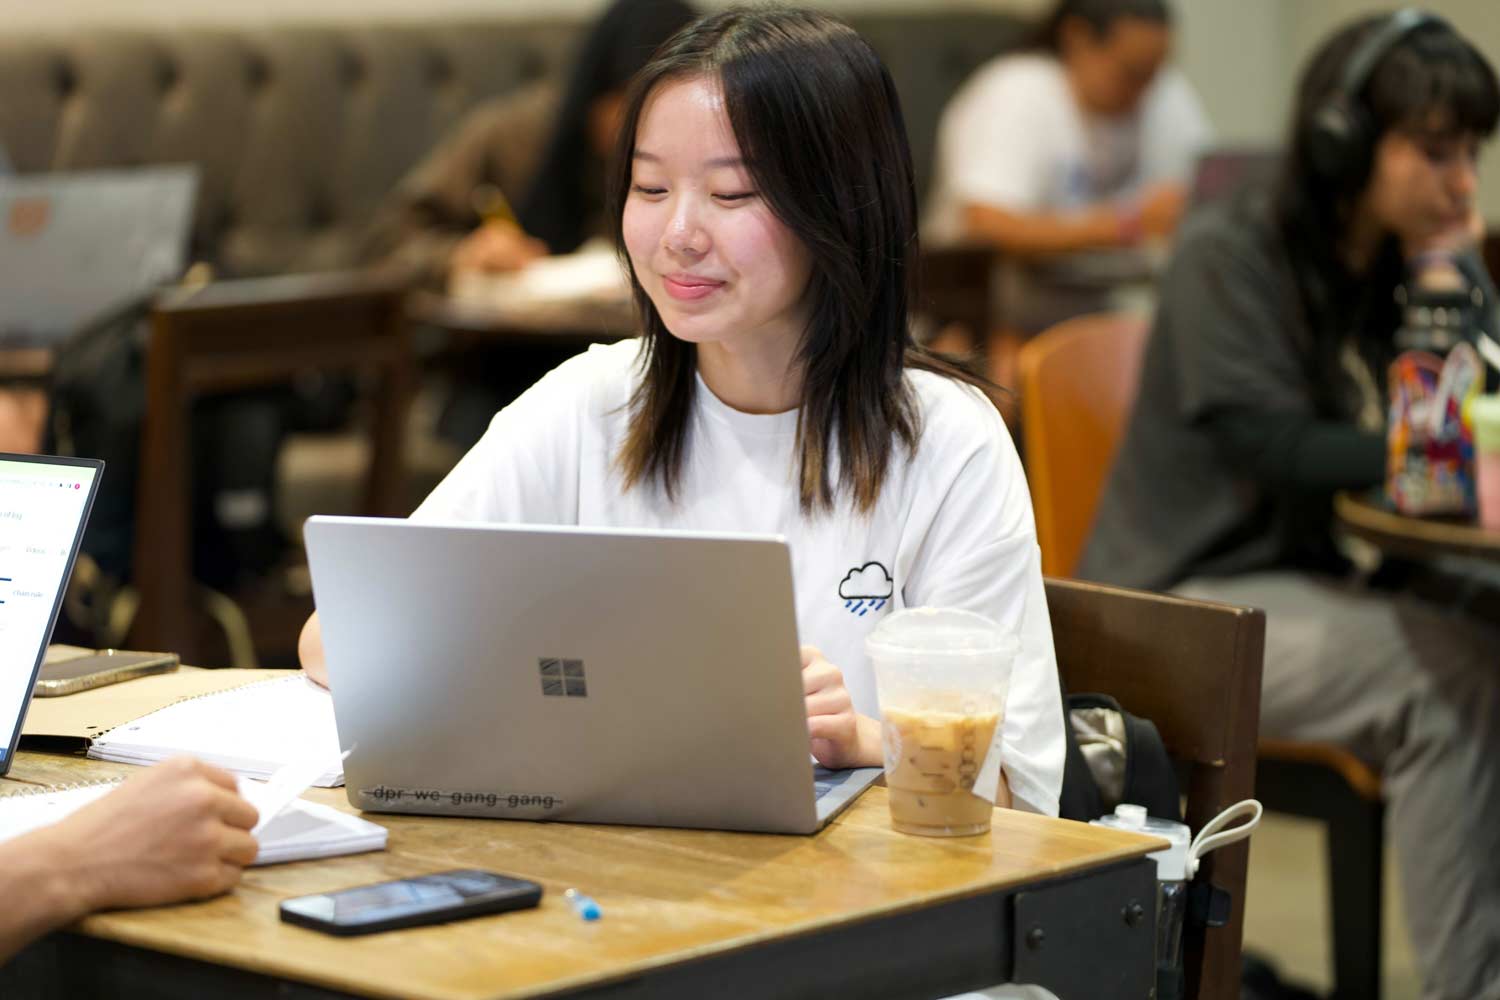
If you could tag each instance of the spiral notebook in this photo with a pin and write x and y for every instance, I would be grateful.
(299, 830)
(250, 730)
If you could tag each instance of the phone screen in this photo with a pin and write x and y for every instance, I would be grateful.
(445, 894)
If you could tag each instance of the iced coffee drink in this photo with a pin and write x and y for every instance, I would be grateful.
(942, 675)
(931, 760)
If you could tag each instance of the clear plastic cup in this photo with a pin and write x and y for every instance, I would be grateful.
(1484, 415)
(942, 676)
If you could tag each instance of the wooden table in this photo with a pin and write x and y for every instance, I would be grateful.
(1414, 537)
(855, 911)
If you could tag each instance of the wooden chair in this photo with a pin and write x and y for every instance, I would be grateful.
(1194, 669)
(236, 335)
(957, 288)
(959, 293)
(1078, 384)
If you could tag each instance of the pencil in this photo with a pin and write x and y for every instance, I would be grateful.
(491, 204)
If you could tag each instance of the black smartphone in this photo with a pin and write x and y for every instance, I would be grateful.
(411, 902)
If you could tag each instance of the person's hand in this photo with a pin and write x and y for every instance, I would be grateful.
(840, 737)
(174, 832)
(1430, 257)
(495, 246)
(23, 420)
(1160, 209)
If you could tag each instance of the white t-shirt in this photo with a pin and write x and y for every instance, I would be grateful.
(1014, 137)
(953, 527)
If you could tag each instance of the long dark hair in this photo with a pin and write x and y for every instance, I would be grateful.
(818, 122)
(1099, 15)
(1431, 72)
(556, 207)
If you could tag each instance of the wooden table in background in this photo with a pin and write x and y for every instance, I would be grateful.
(857, 910)
(1414, 537)
(576, 324)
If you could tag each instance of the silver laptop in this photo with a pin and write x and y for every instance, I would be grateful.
(560, 673)
(75, 246)
(44, 504)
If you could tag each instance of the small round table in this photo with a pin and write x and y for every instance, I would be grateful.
(1414, 537)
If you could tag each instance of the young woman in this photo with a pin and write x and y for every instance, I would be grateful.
(1261, 395)
(766, 210)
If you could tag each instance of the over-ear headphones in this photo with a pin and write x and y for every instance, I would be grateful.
(1343, 134)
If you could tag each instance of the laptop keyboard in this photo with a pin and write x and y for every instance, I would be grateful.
(825, 781)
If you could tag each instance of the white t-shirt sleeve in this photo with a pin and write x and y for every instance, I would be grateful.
(980, 554)
(995, 142)
(525, 470)
(1176, 130)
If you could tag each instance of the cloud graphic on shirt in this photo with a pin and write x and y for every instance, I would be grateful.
(869, 582)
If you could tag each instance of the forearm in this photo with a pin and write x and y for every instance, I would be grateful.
(310, 650)
(1034, 234)
(1002, 794)
(41, 892)
(1298, 452)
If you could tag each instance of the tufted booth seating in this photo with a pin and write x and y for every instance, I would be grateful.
(299, 131)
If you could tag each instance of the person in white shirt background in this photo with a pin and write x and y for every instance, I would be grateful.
(1081, 142)
(765, 207)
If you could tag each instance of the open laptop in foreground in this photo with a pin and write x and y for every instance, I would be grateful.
(560, 673)
(77, 246)
(44, 504)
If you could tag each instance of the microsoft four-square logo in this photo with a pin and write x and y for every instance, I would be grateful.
(562, 678)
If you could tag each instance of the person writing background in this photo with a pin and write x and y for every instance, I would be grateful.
(521, 177)
(1082, 142)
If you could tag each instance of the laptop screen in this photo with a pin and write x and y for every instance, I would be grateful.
(44, 504)
(74, 247)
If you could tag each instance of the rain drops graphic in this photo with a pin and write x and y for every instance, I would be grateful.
(866, 588)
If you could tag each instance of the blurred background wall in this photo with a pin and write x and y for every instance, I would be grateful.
(1242, 55)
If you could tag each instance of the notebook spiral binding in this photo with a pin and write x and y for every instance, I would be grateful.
(71, 786)
(101, 734)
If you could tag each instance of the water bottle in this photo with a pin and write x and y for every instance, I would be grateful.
(1172, 878)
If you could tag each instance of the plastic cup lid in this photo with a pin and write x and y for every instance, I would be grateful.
(938, 630)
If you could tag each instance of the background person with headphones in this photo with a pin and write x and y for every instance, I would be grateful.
(1262, 394)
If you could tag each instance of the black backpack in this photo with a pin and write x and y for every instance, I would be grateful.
(1113, 757)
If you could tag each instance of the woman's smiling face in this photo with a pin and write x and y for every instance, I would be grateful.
(717, 263)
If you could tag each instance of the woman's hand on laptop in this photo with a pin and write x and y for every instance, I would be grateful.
(310, 650)
(841, 737)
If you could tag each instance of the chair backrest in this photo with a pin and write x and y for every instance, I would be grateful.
(249, 334)
(1193, 668)
(1078, 382)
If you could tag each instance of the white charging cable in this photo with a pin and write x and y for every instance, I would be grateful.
(1214, 835)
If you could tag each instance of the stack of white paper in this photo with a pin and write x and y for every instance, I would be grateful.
(251, 731)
